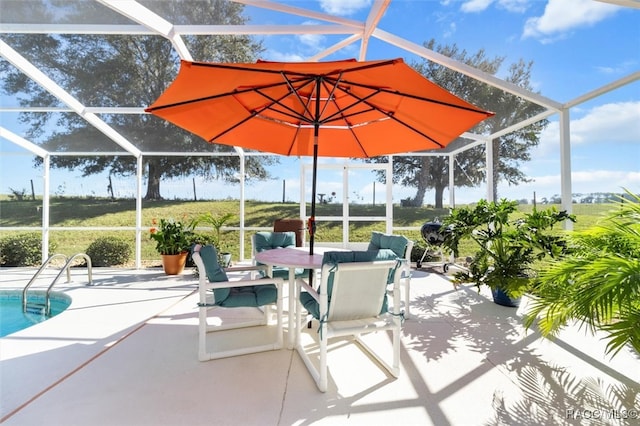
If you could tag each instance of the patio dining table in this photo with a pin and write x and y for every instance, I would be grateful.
(293, 258)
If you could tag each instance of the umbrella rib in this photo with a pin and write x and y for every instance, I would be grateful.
(412, 96)
(292, 113)
(239, 67)
(228, 129)
(340, 111)
(388, 114)
(256, 113)
(208, 98)
(332, 92)
(295, 91)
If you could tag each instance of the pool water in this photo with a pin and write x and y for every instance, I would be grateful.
(12, 318)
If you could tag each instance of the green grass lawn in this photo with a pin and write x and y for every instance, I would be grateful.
(97, 213)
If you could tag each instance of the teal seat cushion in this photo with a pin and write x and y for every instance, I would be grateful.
(335, 257)
(258, 295)
(233, 297)
(214, 271)
(397, 243)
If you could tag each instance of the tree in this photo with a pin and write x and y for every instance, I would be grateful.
(432, 172)
(117, 70)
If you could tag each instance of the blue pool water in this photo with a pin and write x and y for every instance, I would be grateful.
(12, 318)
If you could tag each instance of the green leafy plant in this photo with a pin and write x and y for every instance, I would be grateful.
(506, 247)
(216, 222)
(109, 251)
(598, 282)
(23, 249)
(171, 236)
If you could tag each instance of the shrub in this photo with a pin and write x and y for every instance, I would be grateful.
(23, 249)
(109, 251)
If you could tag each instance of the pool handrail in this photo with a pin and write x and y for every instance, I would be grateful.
(66, 266)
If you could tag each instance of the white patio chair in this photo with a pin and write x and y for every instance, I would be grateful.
(351, 301)
(405, 279)
(402, 247)
(217, 292)
(267, 240)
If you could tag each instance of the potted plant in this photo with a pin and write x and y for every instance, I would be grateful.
(216, 222)
(505, 248)
(173, 239)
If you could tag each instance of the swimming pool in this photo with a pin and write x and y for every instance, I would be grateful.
(12, 318)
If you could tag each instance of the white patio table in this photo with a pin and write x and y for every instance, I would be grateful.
(293, 258)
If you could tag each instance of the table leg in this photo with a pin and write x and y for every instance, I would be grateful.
(292, 308)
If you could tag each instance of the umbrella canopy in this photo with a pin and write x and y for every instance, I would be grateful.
(329, 109)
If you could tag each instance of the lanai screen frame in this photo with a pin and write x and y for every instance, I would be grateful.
(149, 23)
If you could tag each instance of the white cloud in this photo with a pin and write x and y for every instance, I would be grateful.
(618, 69)
(518, 6)
(450, 30)
(613, 122)
(471, 6)
(298, 48)
(588, 181)
(314, 41)
(475, 5)
(561, 16)
(273, 55)
(343, 7)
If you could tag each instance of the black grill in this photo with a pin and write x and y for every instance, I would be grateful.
(432, 233)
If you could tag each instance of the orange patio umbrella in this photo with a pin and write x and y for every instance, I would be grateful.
(329, 109)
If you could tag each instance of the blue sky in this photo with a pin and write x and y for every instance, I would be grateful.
(576, 45)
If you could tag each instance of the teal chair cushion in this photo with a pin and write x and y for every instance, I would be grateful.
(258, 295)
(334, 257)
(272, 240)
(266, 240)
(215, 273)
(232, 297)
(397, 243)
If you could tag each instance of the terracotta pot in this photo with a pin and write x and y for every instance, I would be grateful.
(173, 264)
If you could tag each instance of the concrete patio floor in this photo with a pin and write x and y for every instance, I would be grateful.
(125, 353)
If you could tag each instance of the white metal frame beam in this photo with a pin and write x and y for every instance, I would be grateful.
(23, 143)
(625, 3)
(202, 30)
(65, 97)
(466, 69)
(140, 14)
(292, 10)
(375, 15)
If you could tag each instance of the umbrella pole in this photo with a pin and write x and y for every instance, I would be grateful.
(312, 219)
(316, 131)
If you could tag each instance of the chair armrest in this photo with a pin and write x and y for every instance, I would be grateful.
(243, 283)
(302, 285)
(246, 268)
